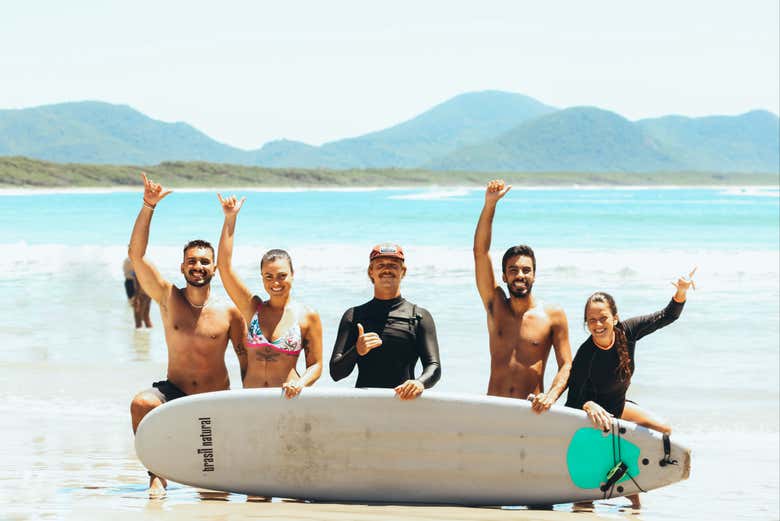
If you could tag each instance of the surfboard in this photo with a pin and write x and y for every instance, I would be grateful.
(367, 445)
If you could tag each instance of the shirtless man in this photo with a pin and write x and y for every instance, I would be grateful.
(521, 328)
(197, 329)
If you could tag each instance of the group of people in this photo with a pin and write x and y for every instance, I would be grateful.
(386, 336)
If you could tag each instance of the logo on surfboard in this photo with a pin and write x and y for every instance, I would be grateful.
(206, 444)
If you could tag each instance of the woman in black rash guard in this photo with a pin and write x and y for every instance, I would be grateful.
(387, 335)
(602, 368)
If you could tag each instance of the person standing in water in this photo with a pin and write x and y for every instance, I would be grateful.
(127, 268)
(604, 364)
(197, 327)
(521, 328)
(142, 307)
(279, 328)
(387, 335)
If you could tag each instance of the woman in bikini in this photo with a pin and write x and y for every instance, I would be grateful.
(602, 368)
(278, 328)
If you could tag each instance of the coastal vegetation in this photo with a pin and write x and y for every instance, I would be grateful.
(22, 172)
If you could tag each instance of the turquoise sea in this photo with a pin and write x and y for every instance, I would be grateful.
(71, 359)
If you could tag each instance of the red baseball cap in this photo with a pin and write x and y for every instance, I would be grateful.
(387, 249)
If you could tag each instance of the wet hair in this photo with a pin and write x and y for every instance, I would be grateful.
(273, 255)
(521, 250)
(621, 342)
(199, 243)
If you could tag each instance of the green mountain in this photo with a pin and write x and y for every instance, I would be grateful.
(587, 139)
(96, 132)
(478, 131)
(576, 139)
(745, 143)
(465, 119)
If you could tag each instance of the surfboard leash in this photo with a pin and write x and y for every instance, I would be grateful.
(621, 459)
(619, 469)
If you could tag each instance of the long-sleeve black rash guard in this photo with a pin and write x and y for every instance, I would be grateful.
(594, 375)
(408, 334)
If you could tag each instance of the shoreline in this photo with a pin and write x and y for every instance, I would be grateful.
(7, 191)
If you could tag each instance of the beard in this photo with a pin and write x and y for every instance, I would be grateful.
(520, 292)
(205, 281)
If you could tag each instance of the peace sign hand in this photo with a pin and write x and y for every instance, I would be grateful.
(231, 205)
(682, 285)
(153, 192)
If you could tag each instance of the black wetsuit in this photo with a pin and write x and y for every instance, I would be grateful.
(408, 334)
(594, 375)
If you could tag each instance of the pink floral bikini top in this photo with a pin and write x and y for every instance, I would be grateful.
(289, 343)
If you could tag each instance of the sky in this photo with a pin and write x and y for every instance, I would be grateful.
(249, 72)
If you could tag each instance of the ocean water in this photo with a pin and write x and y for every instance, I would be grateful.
(72, 359)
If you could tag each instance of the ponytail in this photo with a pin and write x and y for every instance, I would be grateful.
(624, 360)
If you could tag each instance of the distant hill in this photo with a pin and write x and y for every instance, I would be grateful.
(580, 139)
(465, 119)
(587, 139)
(96, 132)
(479, 131)
(746, 143)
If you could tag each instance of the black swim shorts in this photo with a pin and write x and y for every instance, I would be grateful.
(130, 288)
(167, 391)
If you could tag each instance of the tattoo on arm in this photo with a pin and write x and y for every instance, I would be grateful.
(240, 349)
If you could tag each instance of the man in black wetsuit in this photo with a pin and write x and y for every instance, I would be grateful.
(386, 335)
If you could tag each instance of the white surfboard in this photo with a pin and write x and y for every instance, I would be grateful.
(367, 445)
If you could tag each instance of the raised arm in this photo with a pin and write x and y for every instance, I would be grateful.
(148, 277)
(562, 347)
(312, 347)
(239, 293)
(483, 266)
(644, 325)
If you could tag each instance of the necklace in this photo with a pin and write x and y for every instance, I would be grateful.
(196, 306)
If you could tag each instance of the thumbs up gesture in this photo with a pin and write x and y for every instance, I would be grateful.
(366, 341)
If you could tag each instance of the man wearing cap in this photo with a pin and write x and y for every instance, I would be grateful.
(388, 334)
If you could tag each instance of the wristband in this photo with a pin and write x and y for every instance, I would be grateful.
(150, 206)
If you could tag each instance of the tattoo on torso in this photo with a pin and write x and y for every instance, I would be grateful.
(266, 355)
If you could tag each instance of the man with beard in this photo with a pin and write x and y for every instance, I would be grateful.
(197, 328)
(388, 334)
(521, 328)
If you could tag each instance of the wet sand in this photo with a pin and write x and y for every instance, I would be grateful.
(223, 510)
